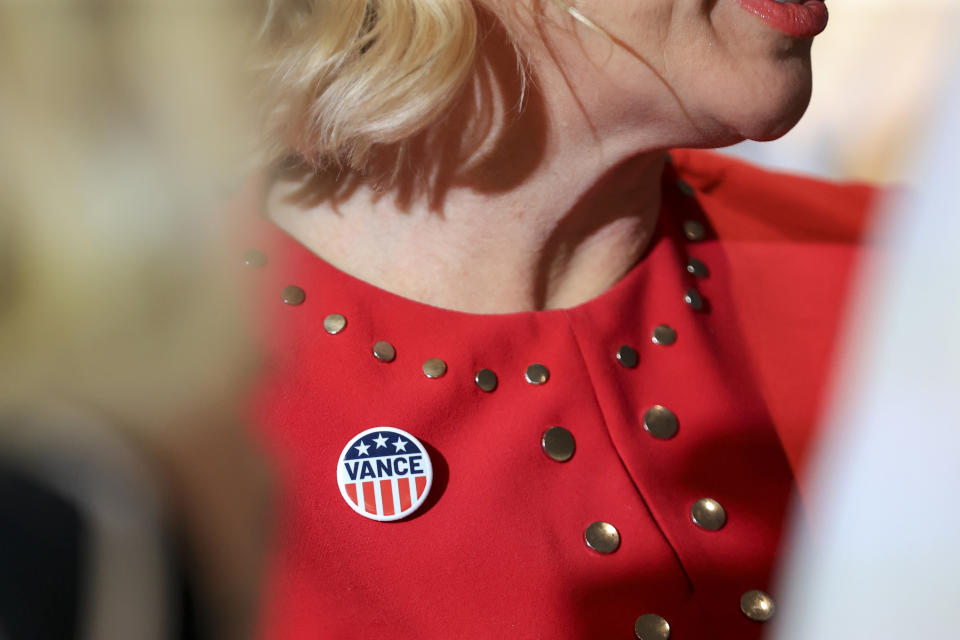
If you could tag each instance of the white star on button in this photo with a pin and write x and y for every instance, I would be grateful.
(381, 441)
(362, 448)
(400, 445)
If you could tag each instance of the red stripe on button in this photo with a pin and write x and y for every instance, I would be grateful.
(386, 496)
(421, 485)
(369, 498)
(352, 492)
(404, 485)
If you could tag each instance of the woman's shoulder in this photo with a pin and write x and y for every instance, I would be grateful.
(745, 202)
(789, 249)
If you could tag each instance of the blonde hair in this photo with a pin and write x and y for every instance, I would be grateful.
(346, 76)
(343, 77)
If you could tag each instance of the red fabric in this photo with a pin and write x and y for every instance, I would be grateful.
(792, 244)
(498, 550)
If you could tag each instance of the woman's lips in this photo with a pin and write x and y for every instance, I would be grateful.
(803, 19)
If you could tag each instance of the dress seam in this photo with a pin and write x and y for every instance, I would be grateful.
(603, 416)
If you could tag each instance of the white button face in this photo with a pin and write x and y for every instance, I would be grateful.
(384, 474)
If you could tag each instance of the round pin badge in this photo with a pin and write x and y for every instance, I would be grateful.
(384, 474)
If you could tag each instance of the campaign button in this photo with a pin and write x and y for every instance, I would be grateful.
(384, 474)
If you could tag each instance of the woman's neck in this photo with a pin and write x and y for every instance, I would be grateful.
(550, 206)
(547, 244)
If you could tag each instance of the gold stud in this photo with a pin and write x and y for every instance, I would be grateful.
(627, 356)
(664, 335)
(697, 268)
(694, 231)
(708, 514)
(384, 351)
(602, 537)
(650, 626)
(334, 323)
(558, 444)
(537, 374)
(757, 605)
(693, 299)
(254, 258)
(685, 188)
(660, 422)
(486, 380)
(293, 295)
(434, 368)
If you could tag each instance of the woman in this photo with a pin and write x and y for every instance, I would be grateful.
(526, 376)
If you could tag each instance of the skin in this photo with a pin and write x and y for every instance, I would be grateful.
(550, 207)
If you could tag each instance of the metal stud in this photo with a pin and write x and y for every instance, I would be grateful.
(757, 605)
(708, 514)
(685, 188)
(694, 231)
(602, 537)
(664, 335)
(537, 374)
(334, 323)
(254, 258)
(693, 299)
(627, 356)
(660, 422)
(697, 268)
(293, 295)
(434, 368)
(558, 444)
(486, 380)
(384, 351)
(651, 627)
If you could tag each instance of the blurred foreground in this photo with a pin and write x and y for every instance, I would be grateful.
(882, 559)
(122, 346)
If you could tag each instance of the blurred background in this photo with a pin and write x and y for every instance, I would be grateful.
(877, 69)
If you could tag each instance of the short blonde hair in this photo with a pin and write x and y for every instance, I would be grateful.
(344, 77)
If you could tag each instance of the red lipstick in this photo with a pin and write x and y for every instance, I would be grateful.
(799, 20)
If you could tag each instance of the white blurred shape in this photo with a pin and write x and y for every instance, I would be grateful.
(883, 558)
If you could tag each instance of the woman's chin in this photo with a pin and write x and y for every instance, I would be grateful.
(761, 125)
(776, 128)
(772, 120)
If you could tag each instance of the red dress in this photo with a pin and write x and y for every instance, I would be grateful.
(499, 549)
